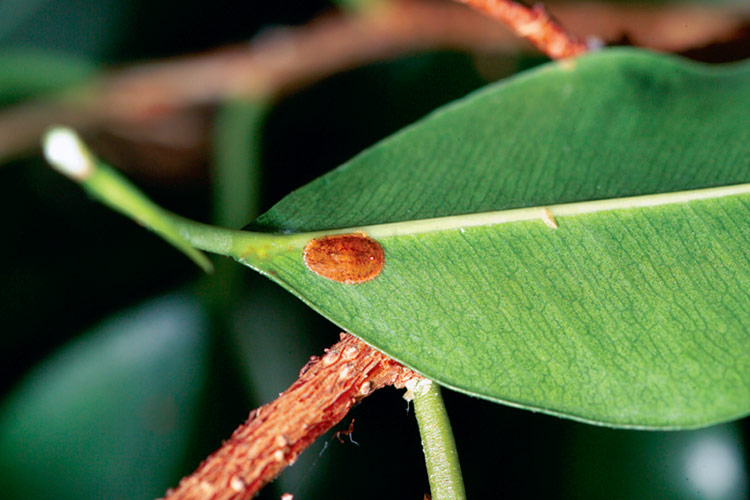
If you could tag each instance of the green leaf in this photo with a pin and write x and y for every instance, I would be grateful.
(635, 312)
(25, 73)
(110, 415)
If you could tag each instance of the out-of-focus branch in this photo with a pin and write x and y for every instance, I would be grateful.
(284, 59)
(276, 62)
(533, 24)
(275, 434)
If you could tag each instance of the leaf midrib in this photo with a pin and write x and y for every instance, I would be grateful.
(248, 246)
(537, 213)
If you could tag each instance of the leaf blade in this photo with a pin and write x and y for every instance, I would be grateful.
(628, 316)
(535, 152)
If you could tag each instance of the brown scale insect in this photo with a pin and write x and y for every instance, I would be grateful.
(345, 258)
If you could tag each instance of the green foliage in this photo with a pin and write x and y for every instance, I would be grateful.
(616, 123)
(111, 415)
(56, 430)
(626, 315)
(355, 4)
(26, 73)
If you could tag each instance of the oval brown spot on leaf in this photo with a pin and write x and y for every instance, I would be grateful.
(346, 258)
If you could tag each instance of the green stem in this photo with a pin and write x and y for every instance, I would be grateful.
(114, 190)
(237, 159)
(441, 457)
(245, 246)
(66, 152)
(236, 189)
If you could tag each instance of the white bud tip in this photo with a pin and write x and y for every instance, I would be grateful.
(64, 150)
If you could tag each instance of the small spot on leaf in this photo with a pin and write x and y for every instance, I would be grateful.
(346, 258)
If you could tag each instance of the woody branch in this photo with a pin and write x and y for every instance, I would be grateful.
(533, 24)
(275, 434)
(287, 58)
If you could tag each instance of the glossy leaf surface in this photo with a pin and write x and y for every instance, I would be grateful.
(634, 312)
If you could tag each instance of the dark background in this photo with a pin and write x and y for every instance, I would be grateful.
(70, 264)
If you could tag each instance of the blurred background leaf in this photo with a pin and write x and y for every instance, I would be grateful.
(26, 73)
(57, 241)
(111, 414)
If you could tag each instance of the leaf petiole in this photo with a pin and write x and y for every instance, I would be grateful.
(438, 444)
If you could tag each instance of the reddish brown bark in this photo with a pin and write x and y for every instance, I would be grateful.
(275, 434)
(138, 101)
(533, 24)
